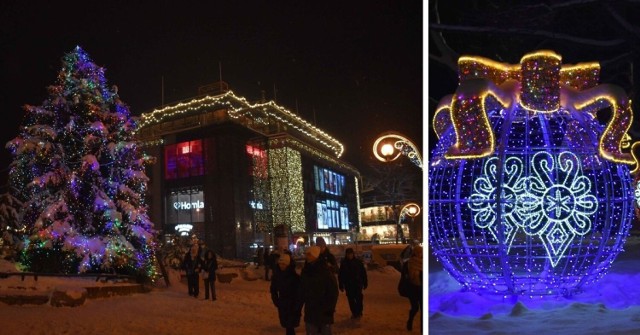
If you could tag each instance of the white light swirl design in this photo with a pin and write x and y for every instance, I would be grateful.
(554, 202)
(483, 201)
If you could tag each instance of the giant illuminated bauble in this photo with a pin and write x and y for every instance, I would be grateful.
(527, 193)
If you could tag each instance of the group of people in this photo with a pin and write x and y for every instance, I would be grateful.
(315, 289)
(196, 266)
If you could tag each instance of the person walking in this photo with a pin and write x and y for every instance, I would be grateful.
(210, 267)
(259, 257)
(285, 293)
(270, 262)
(191, 265)
(326, 255)
(319, 291)
(352, 277)
(414, 271)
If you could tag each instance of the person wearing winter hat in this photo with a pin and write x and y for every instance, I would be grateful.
(319, 291)
(313, 252)
(285, 293)
(326, 255)
(353, 278)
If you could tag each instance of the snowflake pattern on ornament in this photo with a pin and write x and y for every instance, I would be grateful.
(554, 203)
(483, 201)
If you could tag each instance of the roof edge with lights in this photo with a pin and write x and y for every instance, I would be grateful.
(239, 107)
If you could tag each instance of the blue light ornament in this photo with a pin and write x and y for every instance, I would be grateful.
(528, 193)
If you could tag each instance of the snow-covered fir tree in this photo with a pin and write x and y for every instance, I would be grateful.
(79, 173)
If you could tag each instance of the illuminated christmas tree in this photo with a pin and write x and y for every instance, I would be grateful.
(79, 173)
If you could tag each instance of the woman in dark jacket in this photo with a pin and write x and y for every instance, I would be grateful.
(414, 273)
(191, 265)
(285, 286)
(353, 278)
(210, 267)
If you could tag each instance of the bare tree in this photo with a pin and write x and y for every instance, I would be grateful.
(394, 184)
(580, 30)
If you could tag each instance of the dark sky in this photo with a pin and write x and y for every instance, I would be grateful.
(356, 64)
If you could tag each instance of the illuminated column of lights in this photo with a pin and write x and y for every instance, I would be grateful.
(355, 179)
(287, 196)
(389, 147)
(261, 205)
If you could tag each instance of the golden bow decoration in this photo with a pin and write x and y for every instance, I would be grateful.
(539, 84)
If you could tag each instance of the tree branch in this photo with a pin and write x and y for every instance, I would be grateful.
(448, 56)
(527, 32)
(621, 21)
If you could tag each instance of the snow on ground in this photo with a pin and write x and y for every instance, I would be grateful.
(611, 306)
(243, 307)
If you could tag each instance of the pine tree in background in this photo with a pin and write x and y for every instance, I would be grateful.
(80, 175)
(9, 225)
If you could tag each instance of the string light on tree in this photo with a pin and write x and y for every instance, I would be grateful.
(529, 193)
(79, 174)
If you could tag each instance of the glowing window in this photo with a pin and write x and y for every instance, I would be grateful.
(258, 157)
(327, 181)
(184, 159)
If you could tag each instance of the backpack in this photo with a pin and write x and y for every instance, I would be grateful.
(404, 286)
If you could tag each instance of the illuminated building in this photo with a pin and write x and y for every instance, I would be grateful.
(232, 172)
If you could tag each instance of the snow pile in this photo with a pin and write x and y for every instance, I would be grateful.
(612, 304)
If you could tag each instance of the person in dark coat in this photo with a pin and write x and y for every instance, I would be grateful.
(271, 262)
(352, 277)
(414, 271)
(259, 257)
(319, 291)
(191, 265)
(285, 294)
(209, 268)
(326, 255)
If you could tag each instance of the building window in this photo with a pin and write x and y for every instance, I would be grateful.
(184, 160)
(185, 206)
(332, 215)
(328, 182)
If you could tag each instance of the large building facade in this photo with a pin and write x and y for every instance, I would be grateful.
(239, 175)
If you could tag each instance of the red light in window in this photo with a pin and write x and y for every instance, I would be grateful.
(186, 149)
(254, 151)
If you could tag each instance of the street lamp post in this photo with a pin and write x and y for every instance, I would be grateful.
(412, 210)
(389, 146)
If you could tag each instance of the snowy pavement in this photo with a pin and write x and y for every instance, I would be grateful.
(611, 306)
(243, 307)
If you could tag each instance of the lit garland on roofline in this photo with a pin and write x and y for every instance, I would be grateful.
(238, 107)
(528, 193)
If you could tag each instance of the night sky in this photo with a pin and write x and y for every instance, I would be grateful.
(352, 67)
